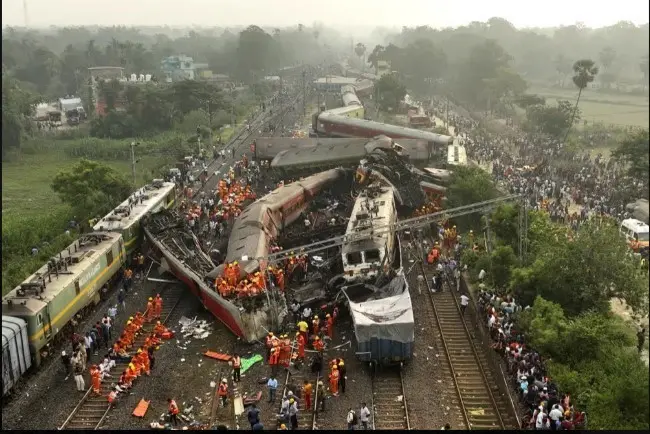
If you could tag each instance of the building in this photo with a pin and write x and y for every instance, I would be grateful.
(69, 103)
(333, 83)
(103, 73)
(176, 68)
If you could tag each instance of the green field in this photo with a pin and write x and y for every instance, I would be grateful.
(607, 108)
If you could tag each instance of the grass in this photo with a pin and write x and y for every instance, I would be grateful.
(32, 215)
(608, 108)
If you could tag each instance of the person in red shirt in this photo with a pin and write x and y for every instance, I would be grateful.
(173, 411)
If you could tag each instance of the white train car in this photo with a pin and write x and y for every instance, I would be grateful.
(362, 260)
(126, 217)
(456, 154)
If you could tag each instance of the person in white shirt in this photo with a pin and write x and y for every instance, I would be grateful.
(352, 419)
(306, 312)
(556, 414)
(364, 415)
(464, 302)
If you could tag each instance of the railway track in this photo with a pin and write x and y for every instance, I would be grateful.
(475, 391)
(307, 419)
(242, 136)
(91, 411)
(389, 407)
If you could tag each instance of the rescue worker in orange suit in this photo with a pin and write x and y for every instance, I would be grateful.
(334, 380)
(157, 303)
(236, 271)
(236, 368)
(159, 329)
(434, 254)
(285, 351)
(150, 309)
(274, 358)
(315, 324)
(342, 372)
(269, 345)
(307, 391)
(144, 359)
(223, 392)
(330, 325)
(318, 344)
(300, 341)
(279, 278)
(173, 411)
(96, 379)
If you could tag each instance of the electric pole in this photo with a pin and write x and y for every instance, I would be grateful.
(133, 161)
(304, 93)
(447, 115)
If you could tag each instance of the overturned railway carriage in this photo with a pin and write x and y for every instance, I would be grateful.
(334, 125)
(248, 318)
(323, 156)
(267, 148)
(71, 282)
(127, 216)
(262, 221)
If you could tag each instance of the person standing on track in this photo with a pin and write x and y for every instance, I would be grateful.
(236, 368)
(173, 411)
(464, 302)
(364, 415)
(307, 391)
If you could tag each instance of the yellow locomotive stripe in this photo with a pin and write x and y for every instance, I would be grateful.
(74, 301)
(83, 292)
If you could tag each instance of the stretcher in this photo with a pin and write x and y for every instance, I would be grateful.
(217, 356)
(141, 409)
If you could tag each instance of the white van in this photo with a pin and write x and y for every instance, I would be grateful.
(636, 232)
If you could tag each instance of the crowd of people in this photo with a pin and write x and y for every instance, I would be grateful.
(140, 362)
(572, 193)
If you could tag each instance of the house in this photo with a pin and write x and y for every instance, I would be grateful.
(176, 68)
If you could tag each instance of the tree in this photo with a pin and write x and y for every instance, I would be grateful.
(390, 92)
(552, 120)
(585, 72)
(257, 51)
(91, 188)
(376, 56)
(580, 274)
(633, 152)
(17, 109)
(469, 185)
(360, 50)
(562, 67)
(422, 62)
(592, 357)
(645, 70)
(607, 56)
(527, 100)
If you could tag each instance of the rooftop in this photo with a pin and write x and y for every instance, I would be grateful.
(139, 203)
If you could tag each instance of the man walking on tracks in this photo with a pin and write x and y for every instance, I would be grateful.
(236, 368)
(352, 419)
(464, 302)
(364, 415)
(272, 384)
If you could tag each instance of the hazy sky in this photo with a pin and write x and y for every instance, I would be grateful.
(436, 13)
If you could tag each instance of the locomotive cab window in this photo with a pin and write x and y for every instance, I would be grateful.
(354, 258)
(109, 258)
(39, 319)
(372, 255)
(76, 287)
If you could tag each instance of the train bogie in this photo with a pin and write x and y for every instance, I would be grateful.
(16, 358)
(65, 286)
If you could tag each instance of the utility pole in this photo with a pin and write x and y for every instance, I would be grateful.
(304, 93)
(280, 108)
(133, 161)
(25, 14)
(447, 115)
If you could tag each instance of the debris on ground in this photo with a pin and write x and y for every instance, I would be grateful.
(192, 328)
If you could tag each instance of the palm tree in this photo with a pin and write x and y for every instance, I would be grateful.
(584, 72)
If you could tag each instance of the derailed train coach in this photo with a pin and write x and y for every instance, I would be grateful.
(384, 328)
